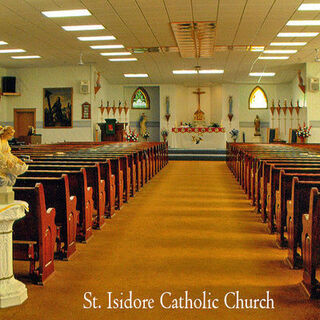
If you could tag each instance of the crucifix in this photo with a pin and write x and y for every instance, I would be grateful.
(199, 114)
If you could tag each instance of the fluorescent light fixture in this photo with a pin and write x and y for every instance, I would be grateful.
(261, 74)
(107, 46)
(279, 51)
(309, 7)
(256, 48)
(136, 75)
(25, 57)
(3, 43)
(66, 13)
(116, 53)
(303, 23)
(12, 50)
(96, 38)
(84, 27)
(288, 44)
(211, 71)
(297, 34)
(184, 71)
(273, 58)
(122, 59)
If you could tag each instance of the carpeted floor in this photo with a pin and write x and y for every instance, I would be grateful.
(189, 229)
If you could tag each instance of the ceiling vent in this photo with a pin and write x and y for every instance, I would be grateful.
(195, 39)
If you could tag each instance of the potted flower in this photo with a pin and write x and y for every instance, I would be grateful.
(132, 136)
(146, 135)
(234, 133)
(164, 134)
(303, 133)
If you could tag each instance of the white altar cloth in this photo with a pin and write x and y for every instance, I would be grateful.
(210, 140)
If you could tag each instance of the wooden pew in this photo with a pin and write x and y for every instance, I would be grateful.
(296, 207)
(78, 187)
(311, 245)
(67, 214)
(34, 236)
(284, 194)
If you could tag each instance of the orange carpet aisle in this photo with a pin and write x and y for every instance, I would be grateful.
(189, 229)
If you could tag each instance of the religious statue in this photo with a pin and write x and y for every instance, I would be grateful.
(257, 126)
(142, 124)
(10, 165)
(199, 116)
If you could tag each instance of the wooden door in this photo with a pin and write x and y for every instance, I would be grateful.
(22, 119)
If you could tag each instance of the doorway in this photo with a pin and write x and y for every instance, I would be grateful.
(23, 118)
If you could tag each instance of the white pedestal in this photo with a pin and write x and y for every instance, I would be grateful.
(12, 291)
(257, 139)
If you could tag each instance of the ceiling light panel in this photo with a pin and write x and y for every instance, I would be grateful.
(303, 23)
(184, 71)
(288, 44)
(115, 53)
(297, 34)
(96, 38)
(84, 27)
(25, 57)
(3, 43)
(11, 50)
(122, 59)
(136, 75)
(262, 74)
(211, 71)
(66, 13)
(279, 51)
(273, 58)
(309, 7)
(107, 46)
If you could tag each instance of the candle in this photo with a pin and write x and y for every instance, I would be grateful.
(167, 105)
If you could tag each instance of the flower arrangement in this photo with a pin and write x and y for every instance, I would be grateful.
(146, 135)
(234, 133)
(197, 139)
(304, 132)
(132, 136)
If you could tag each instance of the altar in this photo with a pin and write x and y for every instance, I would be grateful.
(198, 138)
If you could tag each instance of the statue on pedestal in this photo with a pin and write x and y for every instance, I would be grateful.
(10, 165)
(257, 126)
(143, 125)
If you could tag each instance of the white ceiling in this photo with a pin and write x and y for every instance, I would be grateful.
(146, 23)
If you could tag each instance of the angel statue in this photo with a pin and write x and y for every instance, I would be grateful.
(10, 165)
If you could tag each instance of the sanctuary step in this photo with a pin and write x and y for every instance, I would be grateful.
(197, 154)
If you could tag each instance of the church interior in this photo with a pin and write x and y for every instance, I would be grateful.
(159, 159)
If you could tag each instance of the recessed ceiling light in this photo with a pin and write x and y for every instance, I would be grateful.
(108, 46)
(96, 38)
(261, 74)
(11, 50)
(136, 75)
(297, 34)
(279, 51)
(116, 53)
(303, 23)
(123, 59)
(25, 57)
(84, 27)
(309, 7)
(273, 58)
(66, 13)
(211, 71)
(285, 44)
(184, 71)
(3, 43)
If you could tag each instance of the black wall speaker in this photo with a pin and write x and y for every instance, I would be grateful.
(8, 84)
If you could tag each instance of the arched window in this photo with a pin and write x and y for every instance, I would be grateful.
(140, 99)
(258, 99)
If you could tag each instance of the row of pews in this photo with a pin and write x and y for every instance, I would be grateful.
(283, 184)
(71, 189)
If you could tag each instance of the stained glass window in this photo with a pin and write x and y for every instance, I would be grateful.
(258, 99)
(140, 99)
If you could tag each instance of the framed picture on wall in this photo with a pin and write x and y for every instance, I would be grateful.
(140, 99)
(86, 110)
(57, 107)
